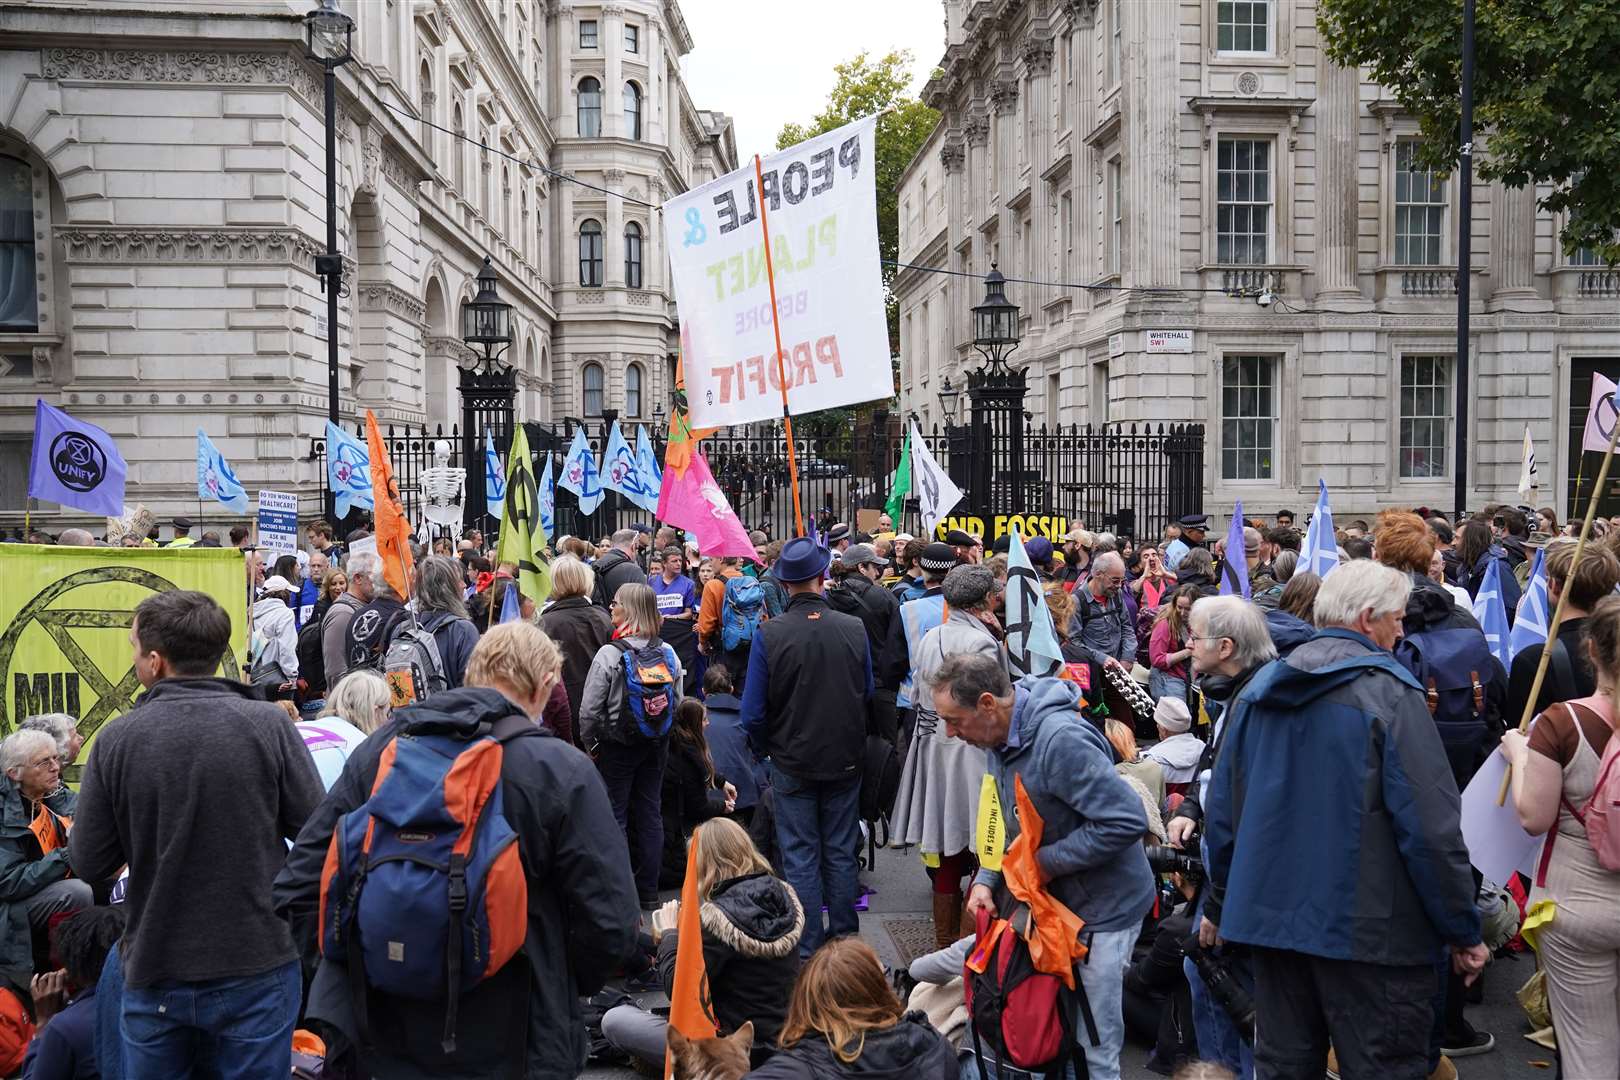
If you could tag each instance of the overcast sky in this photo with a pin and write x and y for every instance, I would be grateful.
(748, 63)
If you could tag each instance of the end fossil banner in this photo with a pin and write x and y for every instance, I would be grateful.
(819, 201)
(65, 617)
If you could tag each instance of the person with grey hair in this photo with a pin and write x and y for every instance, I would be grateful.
(61, 727)
(36, 872)
(358, 705)
(374, 625)
(1262, 585)
(618, 567)
(442, 610)
(1103, 629)
(363, 569)
(1342, 728)
(1091, 854)
(936, 808)
(76, 538)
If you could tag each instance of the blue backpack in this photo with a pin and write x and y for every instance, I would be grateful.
(1455, 668)
(424, 894)
(649, 691)
(740, 612)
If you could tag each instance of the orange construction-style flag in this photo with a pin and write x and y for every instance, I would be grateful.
(393, 531)
(690, 1010)
(683, 438)
(1054, 930)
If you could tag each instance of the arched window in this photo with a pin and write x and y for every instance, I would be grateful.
(632, 390)
(590, 253)
(590, 108)
(593, 389)
(425, 89)
(632, 110)
(458, 148)
(632, 256)
(19, 289)
(504, 198)
(520, 235)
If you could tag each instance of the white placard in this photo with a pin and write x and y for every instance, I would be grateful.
(1167, 341)
(278, 522)
(1116, 344)
(820, 204)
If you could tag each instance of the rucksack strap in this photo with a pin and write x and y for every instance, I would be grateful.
(458, 905)
(1563, 672)
(1431, 695)
(1479, 693)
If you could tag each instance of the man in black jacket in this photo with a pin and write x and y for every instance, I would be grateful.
(856, 592)
(805, 708)
(582, 902)
(618, 567)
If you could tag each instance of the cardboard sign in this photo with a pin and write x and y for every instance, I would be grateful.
(278, 522)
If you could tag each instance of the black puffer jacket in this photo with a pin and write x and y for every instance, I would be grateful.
(876, 607)
(909, 1049)
(751, 931)
(613, 570)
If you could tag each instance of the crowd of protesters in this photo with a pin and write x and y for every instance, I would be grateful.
(1251, 804)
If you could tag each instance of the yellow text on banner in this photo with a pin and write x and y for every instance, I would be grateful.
(992, 827)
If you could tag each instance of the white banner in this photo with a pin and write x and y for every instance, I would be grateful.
(1601, 414)
(820, 203)
(936, 494)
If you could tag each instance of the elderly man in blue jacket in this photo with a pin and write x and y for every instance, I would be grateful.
(1091, 852)
(1333, 827)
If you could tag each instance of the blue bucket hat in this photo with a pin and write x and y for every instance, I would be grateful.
(801, 559)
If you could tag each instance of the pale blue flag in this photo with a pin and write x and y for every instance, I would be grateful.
(647, 462)
(580, 475)
(1235, 564)
(511, 611)
(548, 499)
(621, 471)
(1320, 555)
(348, 470)
(1032, 643)
(1530, 628)
(215, 477)
(1491, 613)
(494, 478)
(75, 464)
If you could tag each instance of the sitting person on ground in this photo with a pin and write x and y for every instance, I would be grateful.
(36, 878)
(693, 791)
(1145, 777)
(65, 1006)
(751, 921)
(728, 743)
(357, 706)
(581, 913)
(1178, 749)
(844, 1021)
(1158, 999)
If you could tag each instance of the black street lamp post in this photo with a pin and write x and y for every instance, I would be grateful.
(329, 42)
(996, 431)
(488, 386)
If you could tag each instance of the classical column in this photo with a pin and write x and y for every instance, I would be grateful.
(977, 178)
(1004, 105)
(567, 237)
(563, 51)
(1513, 241)
(1338, 97)
(613, 242)
(1038, 67)
(652, 105)
(951, 157)
(1150, 132)
(611, 44)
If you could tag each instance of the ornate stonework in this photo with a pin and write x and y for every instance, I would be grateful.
(1003, 96)
(156, 244)
(1038, 55)
(384, 296)
(181, 66)
(951, 155)
(977, 130)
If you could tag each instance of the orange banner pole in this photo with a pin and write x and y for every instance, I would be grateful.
(776, 324)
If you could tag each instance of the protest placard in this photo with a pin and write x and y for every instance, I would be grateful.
(278, 522)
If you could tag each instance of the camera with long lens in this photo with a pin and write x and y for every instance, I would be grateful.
(1223, 986)
(1169, 860)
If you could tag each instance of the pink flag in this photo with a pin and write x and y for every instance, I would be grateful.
(694, 502)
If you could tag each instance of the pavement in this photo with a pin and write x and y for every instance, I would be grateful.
(902, 891)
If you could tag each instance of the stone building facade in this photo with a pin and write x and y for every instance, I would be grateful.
(1182, 157)
(162, 196)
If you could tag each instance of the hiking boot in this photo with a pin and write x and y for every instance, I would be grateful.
(1443, 1071)
(1468, 1042)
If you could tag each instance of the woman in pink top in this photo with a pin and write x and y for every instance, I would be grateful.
(1167, 646)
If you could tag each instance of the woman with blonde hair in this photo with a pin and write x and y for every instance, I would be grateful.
(844, 1021)
(579, 627)
(358, 705)
(631, 751)
(752, 922)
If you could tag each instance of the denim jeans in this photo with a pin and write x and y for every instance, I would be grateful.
(226, 1028)
(818, 828)
(1161, 684)
(633, 774)
(1102, 973)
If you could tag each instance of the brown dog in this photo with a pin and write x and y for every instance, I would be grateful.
(719, 1058)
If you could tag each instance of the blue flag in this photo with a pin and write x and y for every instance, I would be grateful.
(494, 478)
(1320, 555)
(75, 464)
(810, 531)
(647, 462)
(580, 475)
(1032, 644)
(1491, 612)
(621, 471)
(1530, 628)
(511, 610)
(348, 470)
(548, 499)
(1235, 564)
(215, 477)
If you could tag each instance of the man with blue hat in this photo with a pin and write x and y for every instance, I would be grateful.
(804, 709)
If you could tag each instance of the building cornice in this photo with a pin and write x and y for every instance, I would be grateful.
(160, 244)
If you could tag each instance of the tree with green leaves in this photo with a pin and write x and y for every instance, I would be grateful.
(1546, 84)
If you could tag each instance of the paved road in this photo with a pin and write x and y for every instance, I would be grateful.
(902, 890)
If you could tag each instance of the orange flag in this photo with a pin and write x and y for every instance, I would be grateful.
(393, 531)
(683, 438)
(1054, 930)
(690, 1011)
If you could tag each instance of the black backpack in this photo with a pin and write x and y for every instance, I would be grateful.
(312, 658)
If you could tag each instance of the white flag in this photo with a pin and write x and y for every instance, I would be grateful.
(1600, 415)
(936, 495)
(1529, 476)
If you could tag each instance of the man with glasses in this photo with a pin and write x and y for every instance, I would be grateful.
(335, 626)
(1103, 629)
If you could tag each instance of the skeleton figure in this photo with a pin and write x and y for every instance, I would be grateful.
(443, 493)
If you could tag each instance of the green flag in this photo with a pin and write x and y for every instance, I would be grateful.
(523, 538)
(902, 483)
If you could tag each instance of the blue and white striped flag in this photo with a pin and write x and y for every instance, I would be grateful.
(1320, 555)
(1530, 628)
(494, 478)
(1491, 612)
(348, 470)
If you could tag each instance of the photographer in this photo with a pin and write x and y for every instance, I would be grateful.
(1158, 1001)
(1229, 643)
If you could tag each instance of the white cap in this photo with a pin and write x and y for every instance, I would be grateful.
(276, 583)
(1171, 714)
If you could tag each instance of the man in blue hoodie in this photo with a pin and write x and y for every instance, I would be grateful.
(1091, 853)
(1334, 845)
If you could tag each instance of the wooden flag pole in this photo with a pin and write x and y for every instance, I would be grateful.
(1563, 599)
(781, 373)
